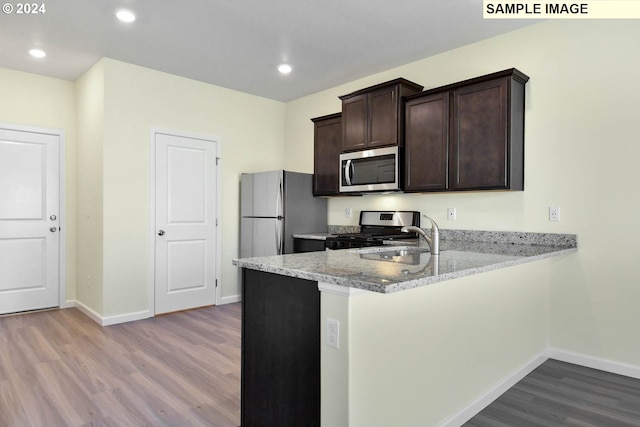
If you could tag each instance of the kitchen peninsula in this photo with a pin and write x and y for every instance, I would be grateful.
(407, 353)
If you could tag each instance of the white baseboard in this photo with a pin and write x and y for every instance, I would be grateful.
(614, 367)
(123, 318)
(111, 320)
(230, 299)
(68, 304)
(465, 414)
(129, 317)
(89, 312)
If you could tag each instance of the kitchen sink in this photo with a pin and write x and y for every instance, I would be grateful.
(391, 250)
(402, 255)
(402, 252)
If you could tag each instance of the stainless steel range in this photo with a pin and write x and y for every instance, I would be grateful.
(375, 228)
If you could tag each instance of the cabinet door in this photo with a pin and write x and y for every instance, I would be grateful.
(383, 117)
(479, 140)
(354, 123)
(327, 146)
(307, 245)
(426, 143)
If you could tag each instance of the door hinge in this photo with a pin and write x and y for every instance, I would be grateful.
(217, 160)
(216, 283)
(216, 222)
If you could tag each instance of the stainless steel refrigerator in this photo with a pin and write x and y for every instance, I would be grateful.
(275, 205)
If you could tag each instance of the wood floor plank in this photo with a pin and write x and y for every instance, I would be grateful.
(59, 368)
(37, 403)
(10, 407)
(65, 394)
(564, 394)
(127, 406)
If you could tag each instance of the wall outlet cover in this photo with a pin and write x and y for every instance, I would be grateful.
(333, 333)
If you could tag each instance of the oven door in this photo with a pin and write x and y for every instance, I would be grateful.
(370, 170)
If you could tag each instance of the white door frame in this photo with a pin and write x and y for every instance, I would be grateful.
(62, 209)
(152, 208)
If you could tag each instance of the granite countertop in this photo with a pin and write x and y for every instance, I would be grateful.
(395, 268)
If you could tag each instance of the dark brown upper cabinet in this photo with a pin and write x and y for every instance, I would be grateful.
(427, 143)
(373, 117)
(467, 135)
(327, 145)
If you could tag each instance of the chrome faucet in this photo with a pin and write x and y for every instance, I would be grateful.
(433, 241)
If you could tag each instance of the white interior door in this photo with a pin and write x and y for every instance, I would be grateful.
(29, 220)
(185, 222)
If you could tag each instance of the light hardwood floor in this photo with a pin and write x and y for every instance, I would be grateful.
(59, 368)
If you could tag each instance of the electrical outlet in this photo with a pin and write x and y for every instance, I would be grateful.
(333, 333)
(451, 214)
(348, 213)
(554, 213)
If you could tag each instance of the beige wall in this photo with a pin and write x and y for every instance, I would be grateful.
(580, 149)
(416, 357)
(251, 132)
(90, 240)
(31, 100)
(117, 105)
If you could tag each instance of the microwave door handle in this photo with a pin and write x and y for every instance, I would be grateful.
(347, 171)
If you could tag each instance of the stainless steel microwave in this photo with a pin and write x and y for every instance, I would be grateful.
(370, 170)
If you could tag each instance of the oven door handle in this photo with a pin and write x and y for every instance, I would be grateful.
(347, 172)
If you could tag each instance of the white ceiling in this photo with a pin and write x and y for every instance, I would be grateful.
(238, 44)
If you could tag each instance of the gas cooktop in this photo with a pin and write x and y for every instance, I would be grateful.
(375, 228)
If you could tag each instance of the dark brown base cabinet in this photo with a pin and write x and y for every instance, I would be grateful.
(280, 351)
(327, 145)
(307, 245)
(467, 135)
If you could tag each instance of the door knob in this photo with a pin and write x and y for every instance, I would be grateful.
(53, 229)
(161, 233)
(52, 217)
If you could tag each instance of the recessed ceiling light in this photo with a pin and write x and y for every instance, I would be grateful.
(125, 15)
(37, 53)
(284, 68)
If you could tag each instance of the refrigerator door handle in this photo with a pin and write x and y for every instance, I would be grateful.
(279, 201)
(278, 237)
(279, 217)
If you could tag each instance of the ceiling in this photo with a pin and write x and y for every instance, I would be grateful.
(238, 44)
